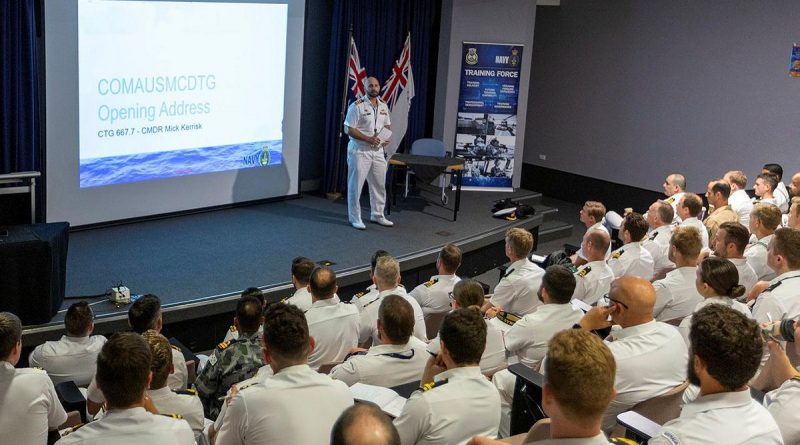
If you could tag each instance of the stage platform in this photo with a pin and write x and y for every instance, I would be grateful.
(198, 263)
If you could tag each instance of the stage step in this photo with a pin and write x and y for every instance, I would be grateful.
(554, 230)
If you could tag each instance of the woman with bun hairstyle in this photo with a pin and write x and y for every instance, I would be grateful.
(718, 282)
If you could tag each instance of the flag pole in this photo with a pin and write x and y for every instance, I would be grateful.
(336, 194)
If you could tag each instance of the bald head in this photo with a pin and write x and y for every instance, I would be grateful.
(638, 295)
(364, 424)
(595, 244)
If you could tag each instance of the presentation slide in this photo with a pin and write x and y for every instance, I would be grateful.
(180, 88)
(157, 107)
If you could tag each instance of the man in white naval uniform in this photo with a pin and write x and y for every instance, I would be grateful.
(781, 194)
(674, 187)
(593, 278)
(729, 243)
(28, 400)
(764, 219)
(739, 200)
(632, 259)
(782, 380)
(726, 352)
(399, 360)
(592, 216)
(689, 209)
(184, 403)
(301, 272)
(296, 404)
(123, 374)
(434, 295)
(387, 280)
(781, 299)
(332, 324)
(74, 356)
(578, 386)
(516, 291)
(527, 339)
(455, 401)
(651, 356)
(676, 294)
(366, 160)
(659, 217)
(371, 292)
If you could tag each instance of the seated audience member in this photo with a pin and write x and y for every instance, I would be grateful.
(593, 279)
(301, 272)
(399, 360)
(729, 243)
(592, 216)
(29, 405)
(719, 211)
(468, 293)
(764, 220)
(74, 356)
(123, 372)
(516, 291)
(782, 380)
(793, 221)
(675, 189)
(780, 299)
(632, 259)
(780, 193)
(659, 217)
(368, 295)
(718, 283)
(794, 187)
(726, 350)
(332, 324)
(364, 424)
(651, 356)
(386, 278)
(527, 339)
(676, 294)
(764, 187)
(145, 314)
(184, 403)
(434, 295)
(296, 404)
(689, 209)
(739, 200)
(455, 401)
(233, 333)
(579, 384)
(232, 361)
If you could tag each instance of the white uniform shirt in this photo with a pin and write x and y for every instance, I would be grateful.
(461, 405)
(784, 405)
(781, 196)
(434, 295)
(686, 323)
(599, 439)
(516, 291)
(189, 406)
(729, 417)
(697, 224)
(494, 354)
(741, 204)
(178, 379)
(301, 298)
(385, 365)
(296, 405)
(592, 281)
(657, 243)
(71, 358)
(29, 405)
(334, 326)
(129, 426)
(651, 359)
(780, 301)
(367, 119)
(632, 260)
(747, 276)
(368, 322)
(756, 255)
(529, 336)
(362, 298)
(676, 294)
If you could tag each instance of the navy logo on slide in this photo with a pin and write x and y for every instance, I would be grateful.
(514, 57)
(472, 56)
(264, 159)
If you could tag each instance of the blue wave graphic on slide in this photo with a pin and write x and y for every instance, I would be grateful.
(167, 164)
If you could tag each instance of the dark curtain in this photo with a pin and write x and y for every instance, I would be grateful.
(379, 30)
(19, 88)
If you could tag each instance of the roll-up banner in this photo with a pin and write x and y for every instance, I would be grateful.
(486, 131)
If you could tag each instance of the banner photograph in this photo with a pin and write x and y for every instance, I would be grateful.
(487, 114)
